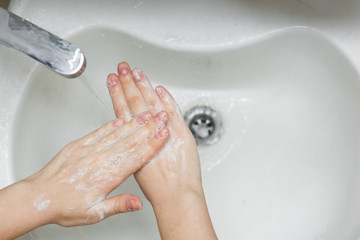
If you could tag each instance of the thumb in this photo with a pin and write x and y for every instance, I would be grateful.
(122, 203)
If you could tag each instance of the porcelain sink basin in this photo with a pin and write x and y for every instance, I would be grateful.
(287, 165)
(288, 158)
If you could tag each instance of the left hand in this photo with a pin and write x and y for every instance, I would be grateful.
(73, 187)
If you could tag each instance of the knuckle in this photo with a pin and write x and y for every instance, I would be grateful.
(118, 206)
(151, 126)
(72, 146)
(154, 103)
(127, 79)
(172, 114)
(135, 100)
(131, 143)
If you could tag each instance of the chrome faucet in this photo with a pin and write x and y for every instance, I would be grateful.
(55, 53)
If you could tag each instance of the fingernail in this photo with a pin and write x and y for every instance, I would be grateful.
(111, 81)
(161, 116)
(144, 117)
(137, 74)
(132, 205)
(123, 69)
(163, 133)
(160, 91)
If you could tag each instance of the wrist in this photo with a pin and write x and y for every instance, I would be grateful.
(184, 217)
(39, 203)
(19, 215)
(184, 199)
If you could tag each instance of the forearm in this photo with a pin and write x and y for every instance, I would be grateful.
(18, 215)
(184, 217)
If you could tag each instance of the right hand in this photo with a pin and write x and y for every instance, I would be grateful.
(172, 180)
(175, 170)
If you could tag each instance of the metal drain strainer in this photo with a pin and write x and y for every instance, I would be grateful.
(205, 124)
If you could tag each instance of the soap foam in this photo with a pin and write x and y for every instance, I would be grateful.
(42, 203)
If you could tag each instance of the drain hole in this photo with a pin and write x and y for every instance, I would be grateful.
(205, 124)
(202, 126)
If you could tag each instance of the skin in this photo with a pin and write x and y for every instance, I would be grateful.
(172, 181)
(71, 189)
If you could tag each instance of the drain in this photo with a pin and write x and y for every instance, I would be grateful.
(205, 124)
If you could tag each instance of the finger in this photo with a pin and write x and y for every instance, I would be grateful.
(152, 100)
(170, 105)
(143, 154)
(123, 131)
(122, 203)
(118, 99)
(101, 132)
(124, 146)
(114, 205)
(133, 96)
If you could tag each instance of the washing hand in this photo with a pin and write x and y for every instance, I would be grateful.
(172, 180)
(72, 189)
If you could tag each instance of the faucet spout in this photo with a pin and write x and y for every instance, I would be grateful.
(55, 53)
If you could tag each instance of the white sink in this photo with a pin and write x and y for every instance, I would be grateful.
(287, 165)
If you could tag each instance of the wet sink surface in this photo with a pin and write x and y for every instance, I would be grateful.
(288, 160)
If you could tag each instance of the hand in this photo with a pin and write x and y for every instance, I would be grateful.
(172, 180)
(77, 181)
(176, 168)
(72, 189)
